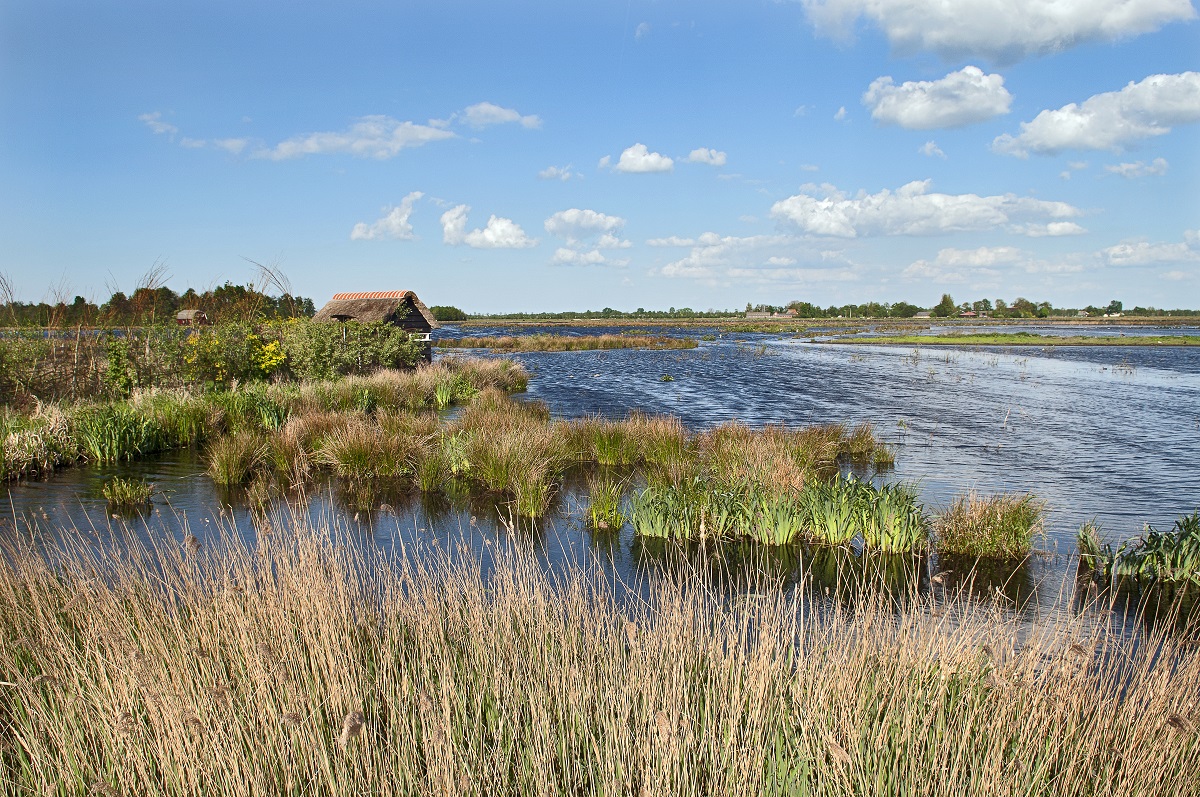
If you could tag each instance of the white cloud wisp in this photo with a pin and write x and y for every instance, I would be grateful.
(500, 233)
(394, 224)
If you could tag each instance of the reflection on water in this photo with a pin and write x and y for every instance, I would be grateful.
(1099, 433)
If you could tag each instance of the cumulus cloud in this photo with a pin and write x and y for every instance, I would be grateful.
(911, 210)
(486, 114)
(500, 233)
(587, 233)
(709, 156)
(840, 116)
(379, 137)
(638, 159)
(567, 256)
(559, 173)
(1112, 120)
(642, 31)
(960, 98)
(578, 223)
(1145, 253)
(1139, 168)
(1003, 31)
(156, 124)
(932, 150)
(394, 223)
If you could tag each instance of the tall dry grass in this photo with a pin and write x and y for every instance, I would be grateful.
(312, 666)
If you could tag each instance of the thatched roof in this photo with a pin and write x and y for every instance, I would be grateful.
(394, 307)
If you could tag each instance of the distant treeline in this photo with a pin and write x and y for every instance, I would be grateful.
(946, 308)
(149, 306)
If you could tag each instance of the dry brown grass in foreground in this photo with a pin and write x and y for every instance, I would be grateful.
(306, 666)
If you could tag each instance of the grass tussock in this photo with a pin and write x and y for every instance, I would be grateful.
(997, 526)
(308, 666)
(547, 342)
(52, 436)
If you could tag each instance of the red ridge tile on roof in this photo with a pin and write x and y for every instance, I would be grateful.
(373, 295)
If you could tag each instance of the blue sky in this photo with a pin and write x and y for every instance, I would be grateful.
(571, 155)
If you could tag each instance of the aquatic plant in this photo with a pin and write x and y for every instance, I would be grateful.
(778, 519)
(113, 432)
(605, 492)
(830, 510)
(127, 492)
(891, 520)
(999, 526)
(1155, 558)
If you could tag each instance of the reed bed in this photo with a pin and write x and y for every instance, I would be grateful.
(546, 342)
(127, 493)
(310, 665)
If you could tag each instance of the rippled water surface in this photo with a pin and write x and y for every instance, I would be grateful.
(1100, 433)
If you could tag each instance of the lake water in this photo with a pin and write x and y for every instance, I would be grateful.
(1099, 433)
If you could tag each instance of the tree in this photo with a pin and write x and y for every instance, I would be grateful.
(945, 308)
(1114, 307)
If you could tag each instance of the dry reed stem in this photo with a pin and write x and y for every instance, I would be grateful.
(251, 670)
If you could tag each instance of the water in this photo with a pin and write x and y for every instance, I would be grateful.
(1102, 434)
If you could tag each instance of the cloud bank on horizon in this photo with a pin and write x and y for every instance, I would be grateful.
(828, 150)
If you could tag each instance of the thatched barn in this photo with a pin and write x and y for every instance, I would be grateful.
(399, 308)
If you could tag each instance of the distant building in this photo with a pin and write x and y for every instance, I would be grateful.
(967, 314)
(398, 308)
(191, 318)
(922, 314)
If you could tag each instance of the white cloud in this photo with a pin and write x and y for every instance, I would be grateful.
(1112, 120)
(559, 173)
(760, 258)
(1004, 31)
(1176, 275)
(587, 232)
(673, 240)
(639, 160)
(157, 125)
(1053, 229)
(960, 98)
(840, 116)
(932, 150)
(910, 210)
(1139, 168)
(709, 156)
(500, 233)
(1144, 253)
(580, 223)
(370, 137)
(963, 265)
(486, 114)
(643, 30)
(610, 241)
(564, 256)
(394, 223)
(233, 146)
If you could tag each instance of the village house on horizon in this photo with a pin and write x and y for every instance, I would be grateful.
(399, 308)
